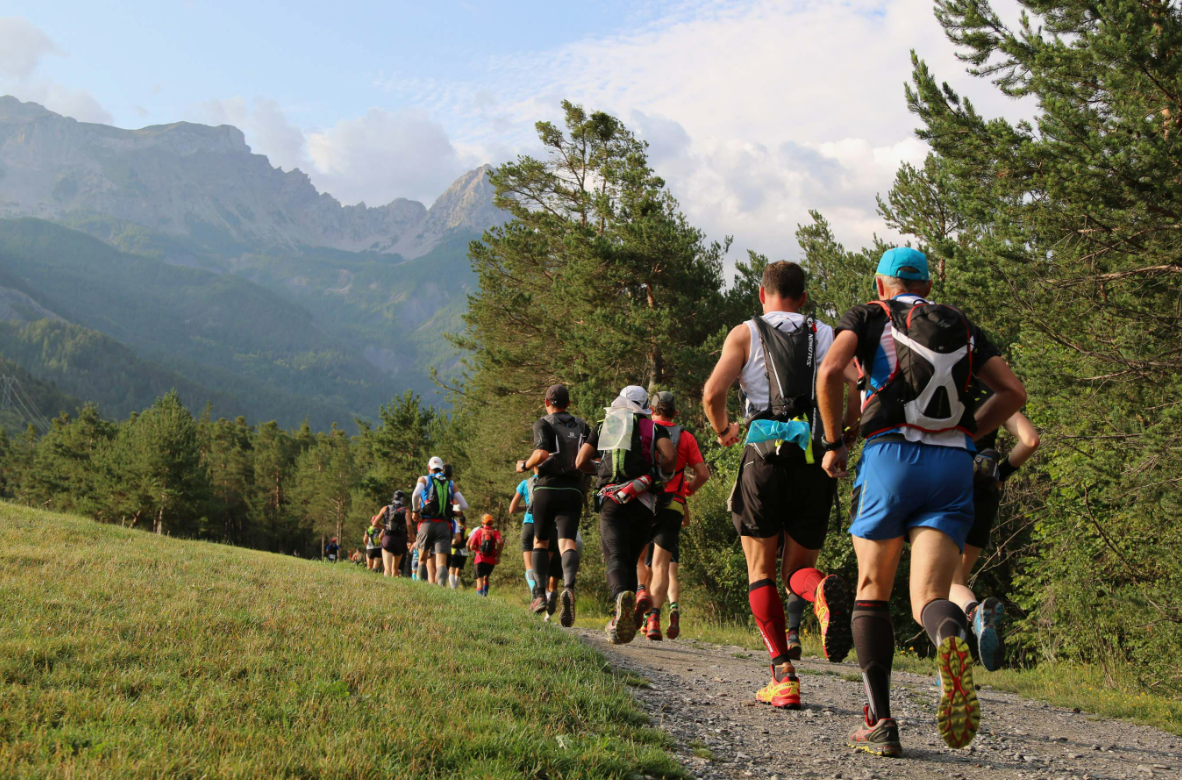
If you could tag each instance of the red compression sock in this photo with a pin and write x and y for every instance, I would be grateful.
(804, 582)
(769, 616)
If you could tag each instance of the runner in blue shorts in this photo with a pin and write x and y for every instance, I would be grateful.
(916, 360)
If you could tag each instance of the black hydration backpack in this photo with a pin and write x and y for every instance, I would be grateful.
(929, 387)
(396, 520)
(789, 360)
(568, 436)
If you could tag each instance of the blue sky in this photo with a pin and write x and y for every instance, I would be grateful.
(756, 110)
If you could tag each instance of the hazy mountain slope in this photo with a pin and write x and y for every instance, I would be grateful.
(47, 400)
(233, 335)
(86, 364)
(186, 179)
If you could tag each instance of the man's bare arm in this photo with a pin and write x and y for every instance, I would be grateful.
(830, 380)
(726, 372)
(701, 476)
(1009, 395)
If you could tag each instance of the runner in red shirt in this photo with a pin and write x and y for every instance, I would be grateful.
(487, 543)
(690, 473)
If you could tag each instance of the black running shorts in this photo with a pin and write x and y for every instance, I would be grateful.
(373, 552)
(434, 536)
(986, 501)
(456, 561)
(556, 509)
(485, 569)
(527, 537)
(667, 534)
(785, 494)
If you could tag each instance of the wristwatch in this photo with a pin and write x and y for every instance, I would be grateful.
(832, 446)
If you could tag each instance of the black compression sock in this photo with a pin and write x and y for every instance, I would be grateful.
(570, 568)
(874, 639)
(942, 619)
(795, 609)
(541, 561)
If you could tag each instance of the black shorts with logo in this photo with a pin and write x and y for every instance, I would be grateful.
(782, 494)
(485, 569)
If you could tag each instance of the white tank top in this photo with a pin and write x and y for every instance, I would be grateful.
(753, 380)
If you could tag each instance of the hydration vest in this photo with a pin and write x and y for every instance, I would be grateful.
(395, 519)
(629, 454)
(789, 361)
(436, 497)
(928, 390)
(568, 438)
(488, 544)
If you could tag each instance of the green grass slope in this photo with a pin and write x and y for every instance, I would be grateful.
(129, 655)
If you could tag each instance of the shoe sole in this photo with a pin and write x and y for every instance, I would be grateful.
(566, 604)
(539, 610)
(674, 630)
(885, 751)
(837, 639)
(782, 703)
(989, 640)
(958, 715)
(653, 636)
(625, 629)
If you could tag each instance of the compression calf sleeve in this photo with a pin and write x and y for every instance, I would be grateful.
(423, 572)
(941, 618)
(795, 610)
(768, 611)
(541, 560)
(570, 567)
(874, 640)
(804, 582)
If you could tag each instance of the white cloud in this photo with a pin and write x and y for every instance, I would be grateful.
(22, 48)
(382, 155)
(755, 114)
(267, 128)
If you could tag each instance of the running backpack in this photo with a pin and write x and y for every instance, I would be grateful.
(789, 360)
(929, 387)
(568, 437)
(627, 440)
(436, 496)
(395, 520)
(488, 544)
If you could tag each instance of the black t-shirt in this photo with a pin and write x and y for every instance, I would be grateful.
(980, 394)
(332, 550)
(546, 438)
(635, 465)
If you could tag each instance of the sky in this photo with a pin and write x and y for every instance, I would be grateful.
(755, 112)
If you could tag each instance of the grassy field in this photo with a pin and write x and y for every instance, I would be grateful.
(128, 655)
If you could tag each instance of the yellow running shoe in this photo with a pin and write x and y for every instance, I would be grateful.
(783, 693)
(958, 715)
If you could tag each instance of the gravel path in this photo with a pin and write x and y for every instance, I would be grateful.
(703, 695)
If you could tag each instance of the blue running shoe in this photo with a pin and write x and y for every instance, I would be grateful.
(987, 619)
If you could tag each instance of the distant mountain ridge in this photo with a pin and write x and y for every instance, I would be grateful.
(186, 179)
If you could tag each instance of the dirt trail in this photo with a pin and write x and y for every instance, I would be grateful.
(703, 695)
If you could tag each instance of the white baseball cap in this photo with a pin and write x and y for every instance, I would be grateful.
(633, 397)
(435, 464)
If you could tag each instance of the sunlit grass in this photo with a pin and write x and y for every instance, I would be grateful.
(129, 655)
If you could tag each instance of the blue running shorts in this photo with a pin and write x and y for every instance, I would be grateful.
(903, 485)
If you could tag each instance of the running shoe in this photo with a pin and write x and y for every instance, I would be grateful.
(551, 603)
(643, 605)
(538, 605)
(621, 629)
(783, 693)
(958, 715)
(987, 619)
(880, 737)
(674, 625)
(567, 602)
(652, 629)
(794, 646)
(832, 608)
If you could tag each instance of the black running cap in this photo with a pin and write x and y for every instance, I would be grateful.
(558, 396)
(664, 402)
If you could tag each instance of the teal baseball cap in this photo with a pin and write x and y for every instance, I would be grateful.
(895, 260)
